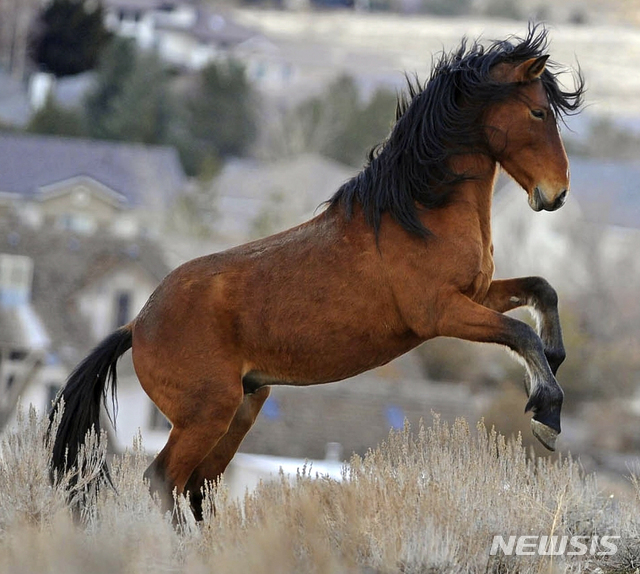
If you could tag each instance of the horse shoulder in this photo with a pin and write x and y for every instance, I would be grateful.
(424, 272)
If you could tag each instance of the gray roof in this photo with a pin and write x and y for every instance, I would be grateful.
(143, 175)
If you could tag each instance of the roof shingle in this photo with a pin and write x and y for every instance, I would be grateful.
(144, 175)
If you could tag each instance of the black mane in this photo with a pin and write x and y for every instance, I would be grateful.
(438, 120)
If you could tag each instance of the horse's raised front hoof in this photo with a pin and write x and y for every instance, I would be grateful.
(546, 435)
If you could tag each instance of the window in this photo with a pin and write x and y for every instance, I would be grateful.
(77, 222)
(16, 273)
(122, 308)
(18, 354)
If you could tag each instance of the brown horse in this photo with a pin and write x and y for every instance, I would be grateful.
(401, 254)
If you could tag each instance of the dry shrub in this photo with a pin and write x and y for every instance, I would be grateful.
(627, 559)
(425, 502)
(506, 413)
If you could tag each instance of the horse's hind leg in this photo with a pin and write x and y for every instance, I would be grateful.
(201, 417)
(464, 319)
(217, 460)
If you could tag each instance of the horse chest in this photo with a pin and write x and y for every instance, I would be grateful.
(481, 281)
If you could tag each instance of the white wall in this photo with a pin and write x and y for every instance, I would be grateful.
(97, 303)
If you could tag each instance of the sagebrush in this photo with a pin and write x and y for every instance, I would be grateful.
(428, 501)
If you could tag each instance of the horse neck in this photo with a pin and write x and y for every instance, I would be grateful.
(476, 193)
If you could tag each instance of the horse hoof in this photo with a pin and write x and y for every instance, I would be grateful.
(546, 435)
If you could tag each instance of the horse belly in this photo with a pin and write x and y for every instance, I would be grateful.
(326, 357)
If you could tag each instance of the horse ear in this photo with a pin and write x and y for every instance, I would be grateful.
(530, 69)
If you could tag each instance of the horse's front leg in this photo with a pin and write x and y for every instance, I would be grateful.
(462, 318)
(537, 294)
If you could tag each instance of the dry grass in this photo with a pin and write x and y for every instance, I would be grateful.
(428, 502)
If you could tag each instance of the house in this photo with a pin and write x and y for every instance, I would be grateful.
(20, 100)
(88, 186)
(60, 294)
(184, 33)
(190, 35)
(23, 339)
(77, 259)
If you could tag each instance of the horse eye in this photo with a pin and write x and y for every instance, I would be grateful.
(538, 114)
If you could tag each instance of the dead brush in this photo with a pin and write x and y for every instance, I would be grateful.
(28, 494)
(627, 559)
(429, 501)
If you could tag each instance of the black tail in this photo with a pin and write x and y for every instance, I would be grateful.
(86, 387)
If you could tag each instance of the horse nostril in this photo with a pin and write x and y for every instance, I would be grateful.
(559, 202)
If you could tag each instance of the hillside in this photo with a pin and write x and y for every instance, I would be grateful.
(379, 47)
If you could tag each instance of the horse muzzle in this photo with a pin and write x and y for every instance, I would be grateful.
(538, 201)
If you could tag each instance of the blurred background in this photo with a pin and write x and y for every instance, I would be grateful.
(137, 134)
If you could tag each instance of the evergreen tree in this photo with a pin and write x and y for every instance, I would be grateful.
(115, 67)
(366, 126)
(220, 116)
(131, 101)
(336, 124)
(69, 37)
(53, 119)
(142, 111)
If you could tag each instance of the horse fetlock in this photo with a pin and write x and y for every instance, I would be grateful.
(196, 499)
(555, 358)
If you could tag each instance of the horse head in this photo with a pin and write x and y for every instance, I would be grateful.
(523, 132)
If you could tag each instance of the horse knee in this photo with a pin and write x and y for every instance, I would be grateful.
(545, 295)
